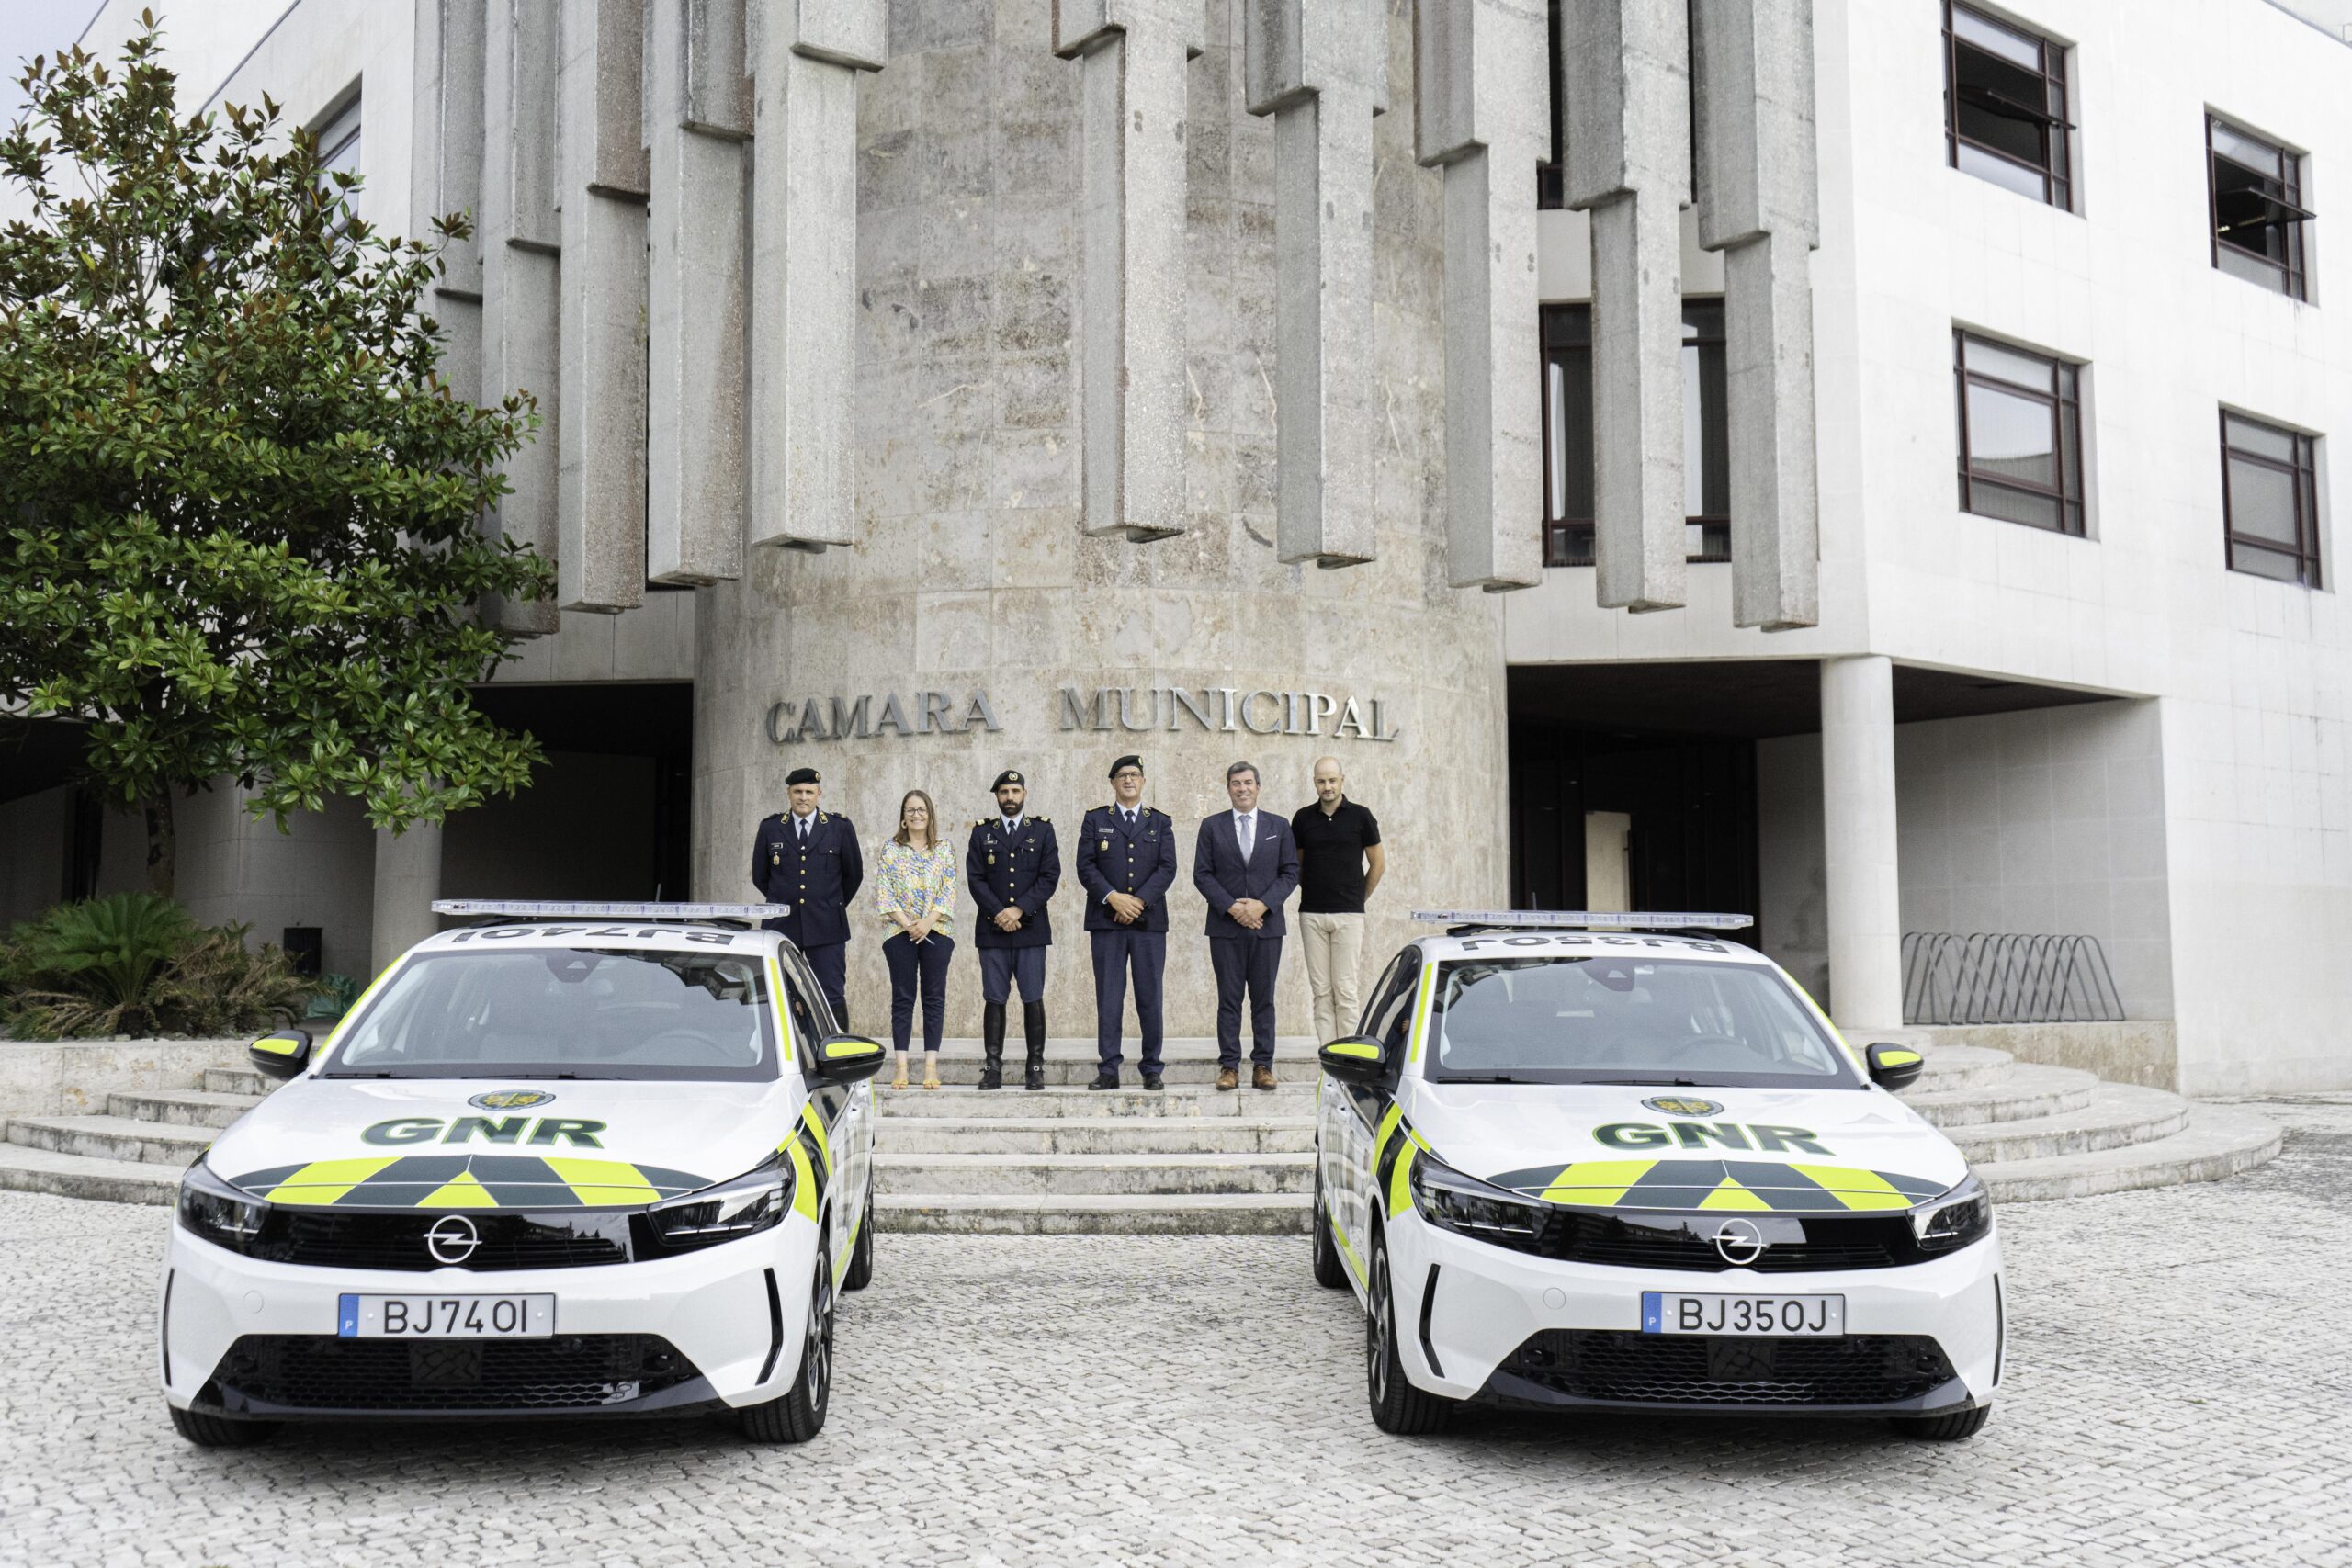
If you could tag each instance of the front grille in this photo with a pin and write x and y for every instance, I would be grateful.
(299, 1372)
(1800, 1244)
(395, 1239)
(1660, 1369)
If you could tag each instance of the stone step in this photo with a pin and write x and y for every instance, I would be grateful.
(26, 1170)
(169, 1143)
(2118, 1116)
(2024, 1092)
(1095, 1134)
(1177, 1100)
(1063, 1175)
(236, 1081)
(1959, 1067)
(2217, 1141)
(182, 1107)
(1104, 1215)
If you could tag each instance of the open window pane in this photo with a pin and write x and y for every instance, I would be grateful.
(2255, 191)
(2004, 92)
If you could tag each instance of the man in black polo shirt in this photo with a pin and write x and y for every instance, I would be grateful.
(1340, 865)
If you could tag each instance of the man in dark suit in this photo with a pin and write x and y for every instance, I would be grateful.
(1245, 864)
(1012, 865)
(1127, 862)
(808, 860)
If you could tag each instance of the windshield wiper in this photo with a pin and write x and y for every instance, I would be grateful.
(1656, 1083)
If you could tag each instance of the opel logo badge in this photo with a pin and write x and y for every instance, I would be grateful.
(1740, 1243)
(453, 1239)
(511, 1099)
(1682, 1105)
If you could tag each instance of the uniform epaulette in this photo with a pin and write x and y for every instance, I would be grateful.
(1040, 820)
(979, 821)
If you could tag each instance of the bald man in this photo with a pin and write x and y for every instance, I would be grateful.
(1340, 861)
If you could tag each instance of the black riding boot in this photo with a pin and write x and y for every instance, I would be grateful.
(1032, 1020)
(992, 1044)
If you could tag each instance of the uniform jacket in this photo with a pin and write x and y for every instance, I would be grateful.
(1021, 869)
(1270, 877)
(1112, 858)
(818, 879)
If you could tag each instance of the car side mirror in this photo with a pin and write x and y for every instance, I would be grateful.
(281, 1056)
(1895, 1066)
(849, 1058)
(1359, 1058)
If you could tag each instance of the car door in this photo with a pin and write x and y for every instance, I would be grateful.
(851, 1133)
(1388, 1019)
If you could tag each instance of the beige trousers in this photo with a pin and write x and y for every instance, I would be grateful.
(1334, 946)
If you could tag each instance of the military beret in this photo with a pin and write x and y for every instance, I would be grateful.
(1006, 777)
(1135, 763)
(801, 777)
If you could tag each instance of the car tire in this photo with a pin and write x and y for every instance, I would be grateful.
(1329, 1272)
(798, 1413)
(1956, 1427)
(860, 1272)
(218, 1431)
(1396, 1405)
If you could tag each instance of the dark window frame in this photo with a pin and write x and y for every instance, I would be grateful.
(1568, 540)
(2064, 401)
(2057, 168)
(2302, 472)
(2282, 193)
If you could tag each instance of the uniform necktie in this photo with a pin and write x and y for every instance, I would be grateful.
(804, 828)
(1130, 816)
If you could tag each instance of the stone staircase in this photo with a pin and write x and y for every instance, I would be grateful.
(1188, 1160)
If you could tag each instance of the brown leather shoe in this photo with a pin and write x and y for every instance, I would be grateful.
(1228, 1078)
(1261, 1077)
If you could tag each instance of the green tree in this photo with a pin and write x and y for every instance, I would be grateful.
(239, 507)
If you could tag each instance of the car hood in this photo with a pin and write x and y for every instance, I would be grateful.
(484, 1144)
(1613, 1146)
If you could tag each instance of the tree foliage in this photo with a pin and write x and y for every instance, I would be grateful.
(239, 508)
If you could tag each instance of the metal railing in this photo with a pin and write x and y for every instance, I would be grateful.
(2007, 978)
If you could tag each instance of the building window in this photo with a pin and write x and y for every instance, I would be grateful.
(2005, 106)
(1552, 175)
(2270, 500)
(2257, 190)
(338, 137)
(1567, 435)
(2020, 435)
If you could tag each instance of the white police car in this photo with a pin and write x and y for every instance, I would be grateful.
(581, 1160)
(1608, 1162)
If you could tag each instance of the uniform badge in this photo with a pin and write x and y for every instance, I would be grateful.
(1103, 848)
(991, 857)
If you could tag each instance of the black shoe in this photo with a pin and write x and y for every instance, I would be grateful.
(1033, 1025)
(1150, 1078)
(992, 1046)
(1107, 1077)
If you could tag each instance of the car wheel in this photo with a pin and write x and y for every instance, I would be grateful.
(218, 1431)
(860, 1272)
(1328, 1270)
(1956, 1427)
(1396, 1405)
(799, 1413)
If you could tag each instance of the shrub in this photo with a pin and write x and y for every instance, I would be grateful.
(136, 964)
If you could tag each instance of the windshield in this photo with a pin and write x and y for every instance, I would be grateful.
(1628, 1020)
(566, 1012)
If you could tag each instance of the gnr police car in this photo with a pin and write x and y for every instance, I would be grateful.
(1610, 1162)
(580, 1161)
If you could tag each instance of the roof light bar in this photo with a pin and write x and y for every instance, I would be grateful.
(533, 909)
(1553, 920)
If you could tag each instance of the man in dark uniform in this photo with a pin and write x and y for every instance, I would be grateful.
(1012, 867)
(808, 860)
(1127, 862)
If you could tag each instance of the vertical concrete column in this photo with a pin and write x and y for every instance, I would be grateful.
(1759, 201)
(805, 55)
(1131, 199)
(520, 273)
(697, 117)
(1482, 106)
(408, 878)
(444, 178)
(1864, 890)
(1320, 68)
(600, 551)
(1625, 75)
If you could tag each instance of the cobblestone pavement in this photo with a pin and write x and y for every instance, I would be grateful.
(2177, 1394)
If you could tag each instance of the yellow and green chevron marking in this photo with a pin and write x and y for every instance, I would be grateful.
(812, 1162)
(468, 1181)
(1394, 1146)
(1753, 1186)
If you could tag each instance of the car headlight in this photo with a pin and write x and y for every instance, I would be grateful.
(1454, 1202)
(1961, 1215)
(756, 1200)
(223, 1215)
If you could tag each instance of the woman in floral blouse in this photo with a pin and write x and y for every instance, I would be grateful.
(915, 895)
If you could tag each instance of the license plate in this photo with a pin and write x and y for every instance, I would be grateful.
(1669, 1312)
(446, 1317)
